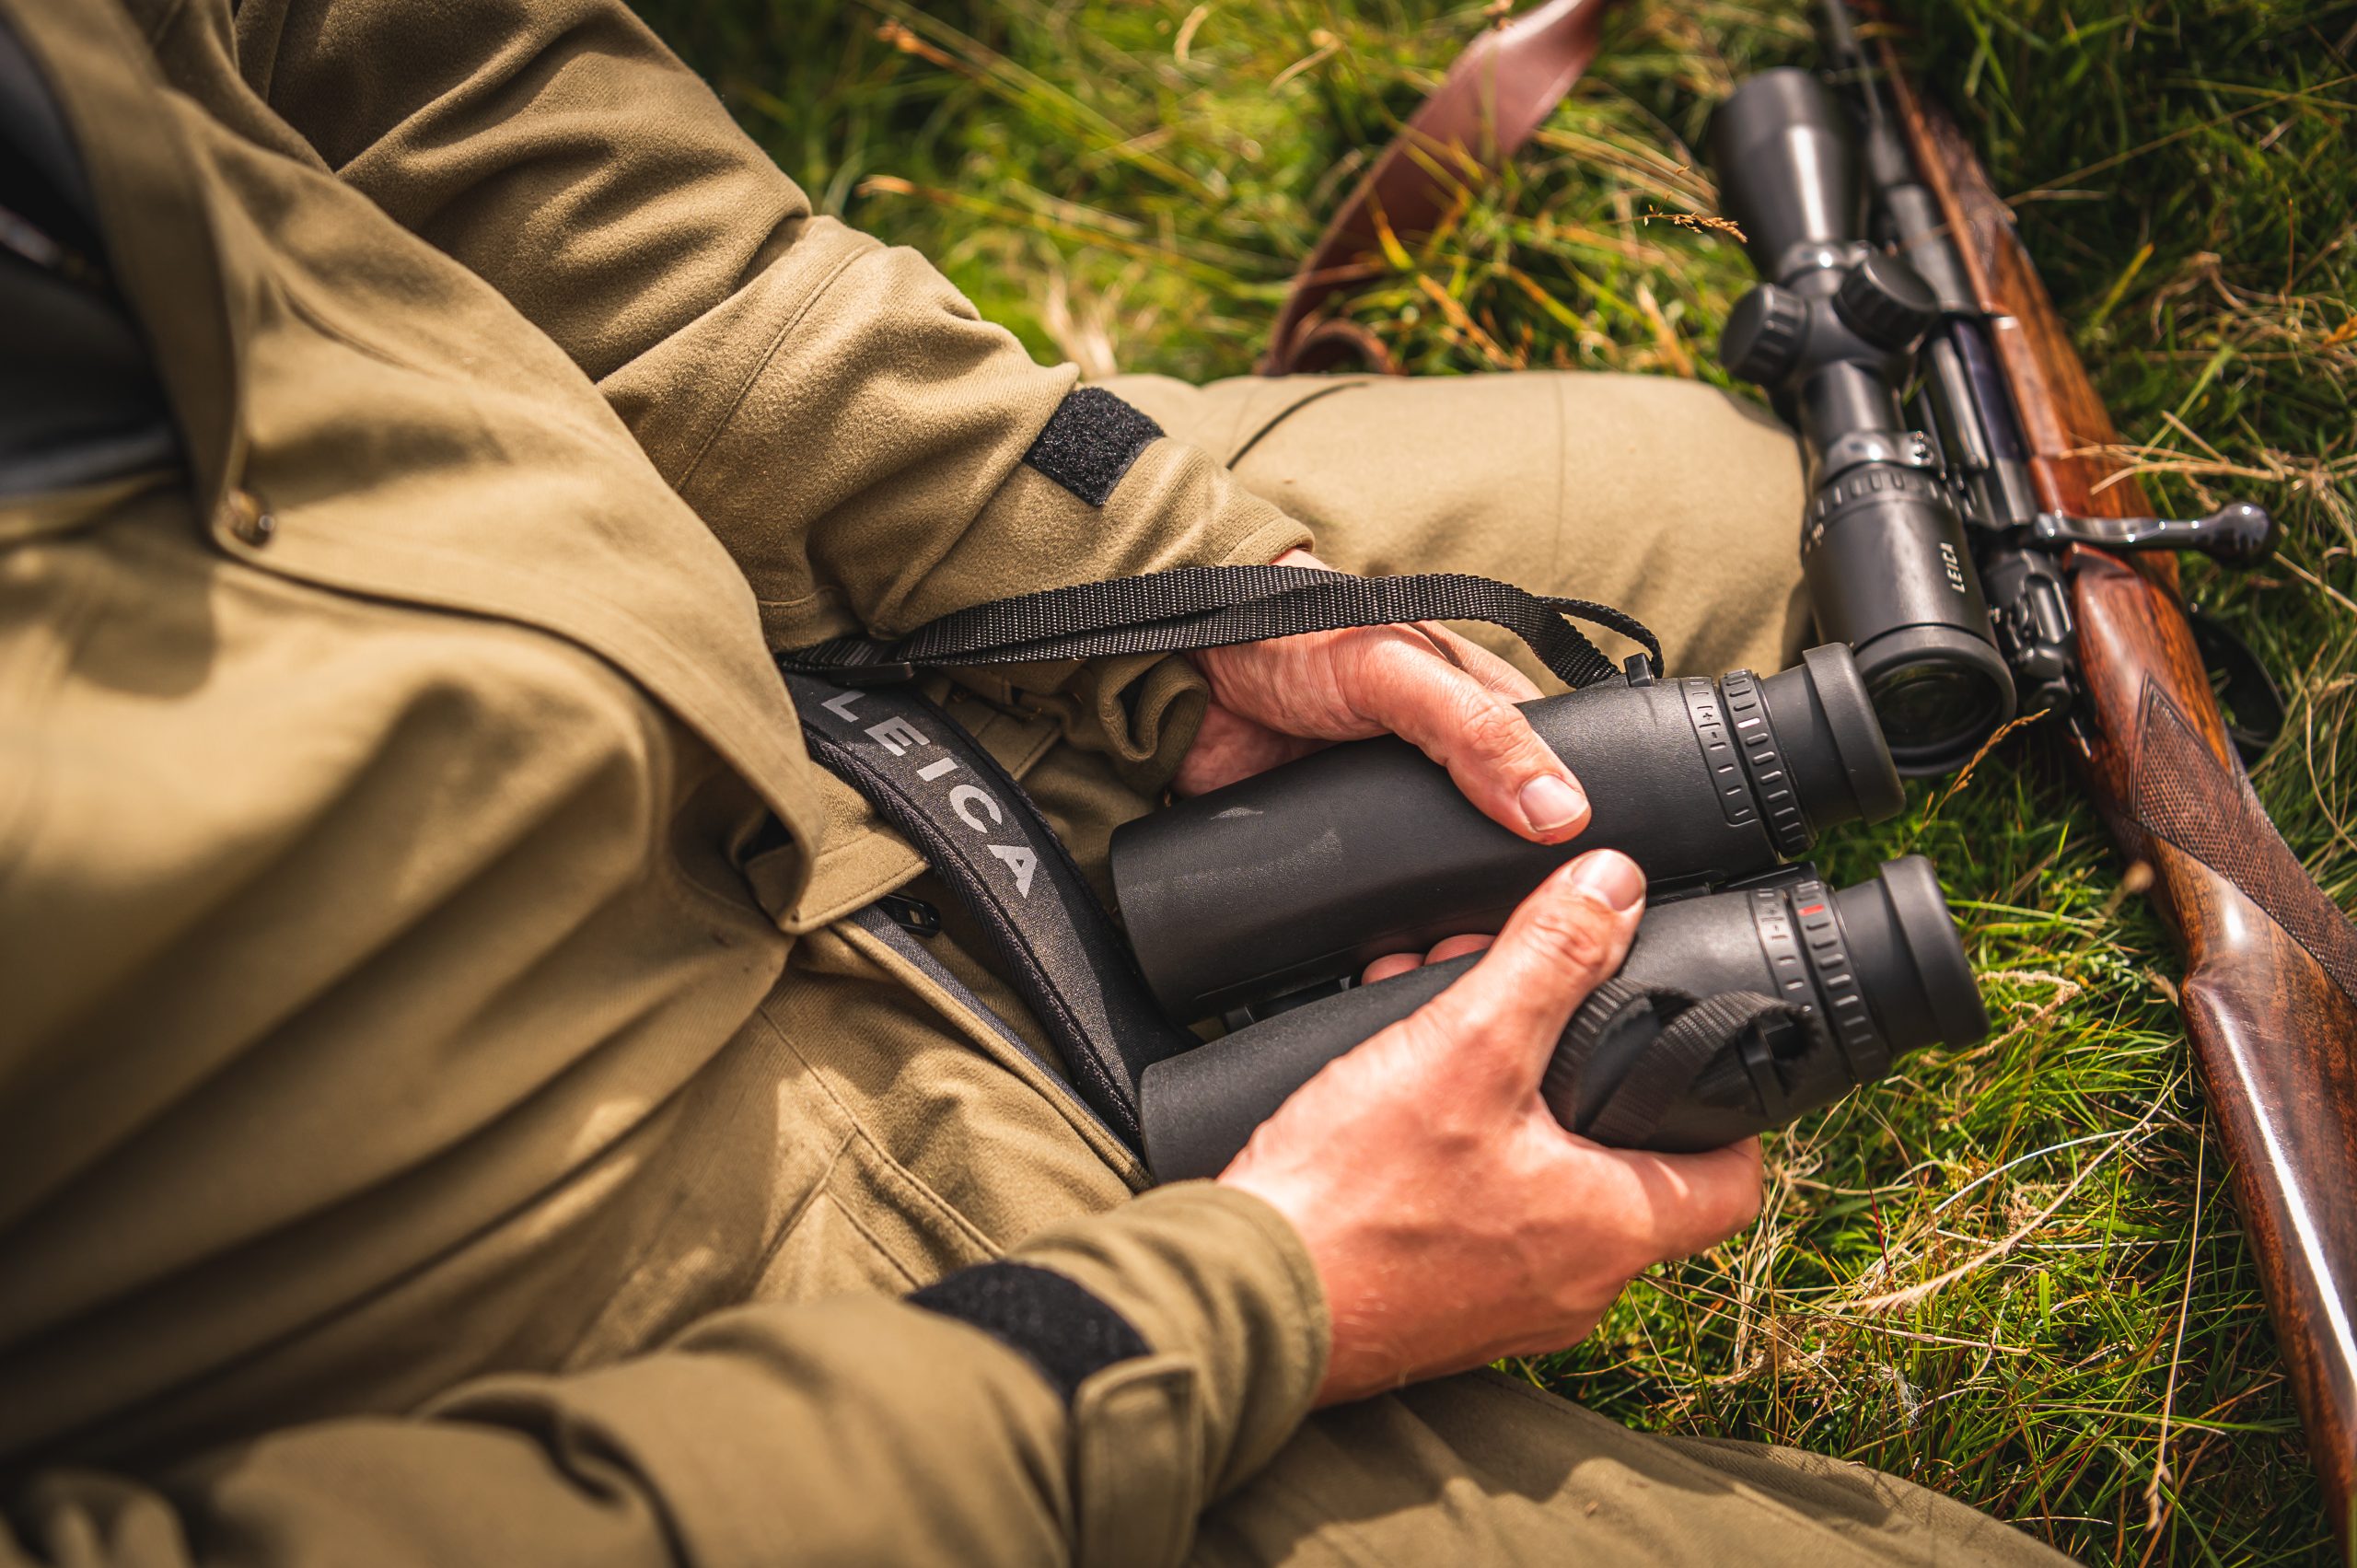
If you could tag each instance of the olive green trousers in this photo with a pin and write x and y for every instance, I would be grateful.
(1680, 506)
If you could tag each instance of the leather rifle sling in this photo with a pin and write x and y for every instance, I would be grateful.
(1500, 90)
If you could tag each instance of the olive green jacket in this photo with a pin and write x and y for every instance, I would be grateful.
(444, 1115)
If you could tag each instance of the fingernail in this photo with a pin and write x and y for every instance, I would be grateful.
(1610, 878)
(1549, 803)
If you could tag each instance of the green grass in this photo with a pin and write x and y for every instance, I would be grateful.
(2183, 173)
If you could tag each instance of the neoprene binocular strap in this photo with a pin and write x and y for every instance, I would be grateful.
(983, 835)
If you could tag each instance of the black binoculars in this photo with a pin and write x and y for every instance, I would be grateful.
(1309, 872)
(1259, 903)
(1863, 976)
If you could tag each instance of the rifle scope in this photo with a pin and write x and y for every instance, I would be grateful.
(1308, 872)
(1827, 332)
(1863, 976)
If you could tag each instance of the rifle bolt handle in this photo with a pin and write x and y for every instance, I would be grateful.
(2238, 534)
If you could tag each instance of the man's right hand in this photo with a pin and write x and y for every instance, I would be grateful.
(1452, 1219)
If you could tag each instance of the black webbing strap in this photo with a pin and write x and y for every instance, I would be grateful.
(980, 832)
(1693, 1031)
(1211, 606)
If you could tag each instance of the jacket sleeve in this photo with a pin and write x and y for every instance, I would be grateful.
(854, 1430)
(833, 408)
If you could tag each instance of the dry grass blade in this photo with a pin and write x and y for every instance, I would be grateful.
(1915, 1295)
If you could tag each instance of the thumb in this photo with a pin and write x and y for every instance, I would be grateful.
(1501, 1019)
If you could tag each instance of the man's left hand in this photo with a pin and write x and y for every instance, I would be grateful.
(1274, 701)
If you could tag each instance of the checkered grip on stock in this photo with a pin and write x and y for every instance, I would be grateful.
(2186, 797)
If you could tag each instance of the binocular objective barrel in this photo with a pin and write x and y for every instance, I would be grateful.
(1879, 967)
(1308, 872)
(1827, 331)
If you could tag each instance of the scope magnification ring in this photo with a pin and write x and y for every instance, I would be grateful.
(1780, 809)
(1845, 1006)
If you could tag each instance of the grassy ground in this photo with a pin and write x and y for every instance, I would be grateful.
(1128, 183)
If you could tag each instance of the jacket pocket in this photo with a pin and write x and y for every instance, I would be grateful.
(870, 1225)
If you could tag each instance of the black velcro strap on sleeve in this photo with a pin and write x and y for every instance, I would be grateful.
(1090, 442)
(1056, 1325)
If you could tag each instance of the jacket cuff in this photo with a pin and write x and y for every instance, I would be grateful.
(922, 1431)
(1171, 504)
(1141, 711)
(874, 455)
(1222, 1290)
(848, 1430)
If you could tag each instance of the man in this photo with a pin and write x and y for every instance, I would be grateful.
(450, 1111)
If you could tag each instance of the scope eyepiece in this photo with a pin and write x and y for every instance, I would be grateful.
(1871, 972)
(1309, 872)
(1940, 693)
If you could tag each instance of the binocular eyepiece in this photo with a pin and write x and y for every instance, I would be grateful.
(1309, 872)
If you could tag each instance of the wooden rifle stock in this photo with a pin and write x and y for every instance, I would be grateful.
(2270, 986)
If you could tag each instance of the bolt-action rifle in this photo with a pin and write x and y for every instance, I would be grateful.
(1972, 535)
(2083, 608)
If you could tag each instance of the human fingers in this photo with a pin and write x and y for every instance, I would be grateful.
(1228, 747)
(1600, 1218)
(1405, 686)
(1668, 1207)
(1500, 1020)
(1458, 946)
(1446, 948)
